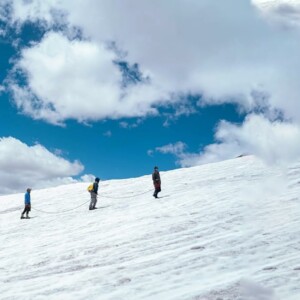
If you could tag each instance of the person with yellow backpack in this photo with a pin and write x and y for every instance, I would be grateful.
(93, 190)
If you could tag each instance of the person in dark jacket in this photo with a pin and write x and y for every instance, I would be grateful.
(156, 182)
(94, 194)
(27, 201)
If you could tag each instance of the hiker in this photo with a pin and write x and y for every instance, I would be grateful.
(27, 204)
(156, 182)
(94, 193)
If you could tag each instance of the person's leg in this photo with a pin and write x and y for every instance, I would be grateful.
(155, 190)
(155, 194)
(22, 215)
(93, 200)
(27, 211)
(91, 203)
(158, 190)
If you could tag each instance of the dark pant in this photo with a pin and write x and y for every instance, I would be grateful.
(27, 209)
(93, 200)
(157, 189)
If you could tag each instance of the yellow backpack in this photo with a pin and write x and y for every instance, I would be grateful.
(90, 187)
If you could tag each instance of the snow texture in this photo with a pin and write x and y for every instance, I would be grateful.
(222, 231)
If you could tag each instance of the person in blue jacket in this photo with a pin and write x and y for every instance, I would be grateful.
(27, 208)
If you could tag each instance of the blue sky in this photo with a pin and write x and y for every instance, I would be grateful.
(112, 90)
(108, 149)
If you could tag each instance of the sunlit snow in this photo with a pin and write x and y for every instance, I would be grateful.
(225, 231)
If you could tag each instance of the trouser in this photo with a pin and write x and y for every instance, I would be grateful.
(157, 189)
(93, 200)
(26, 209)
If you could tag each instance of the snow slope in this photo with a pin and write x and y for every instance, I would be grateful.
(227, 230)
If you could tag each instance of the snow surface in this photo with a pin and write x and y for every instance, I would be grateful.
(223, 231)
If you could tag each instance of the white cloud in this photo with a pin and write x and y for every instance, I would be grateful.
(23, 166)
(175, 149)
(76, 80)
(222, 50)
(178, 150)
(37, 10)
(150, 152)
(283, 12)
(87, 178)
(107, 133)
(127, 125)
(274, 142)
(124, 124)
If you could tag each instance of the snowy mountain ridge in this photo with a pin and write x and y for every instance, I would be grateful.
(227, 230)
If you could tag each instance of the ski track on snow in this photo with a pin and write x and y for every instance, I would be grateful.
(223, 231)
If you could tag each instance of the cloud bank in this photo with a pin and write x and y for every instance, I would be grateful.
(227, 52)
(274, 142)
(23, 166)
(283, 12)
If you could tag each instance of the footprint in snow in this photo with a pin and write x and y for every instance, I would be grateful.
(269, 268)
(198, 248)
